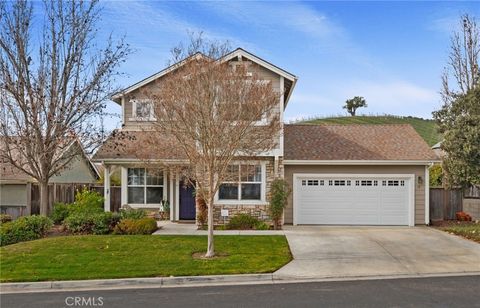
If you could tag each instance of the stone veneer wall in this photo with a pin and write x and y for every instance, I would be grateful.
(259, 211)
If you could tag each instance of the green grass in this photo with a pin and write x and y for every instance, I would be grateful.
(470, 231)
(424, 127)
(115, 256)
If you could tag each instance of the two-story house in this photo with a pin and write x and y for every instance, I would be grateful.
(340, 174)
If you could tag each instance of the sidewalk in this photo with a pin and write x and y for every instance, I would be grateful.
(173, 228)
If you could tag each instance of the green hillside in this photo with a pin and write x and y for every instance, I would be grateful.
(425, 128)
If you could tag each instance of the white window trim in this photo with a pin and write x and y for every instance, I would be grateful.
(262, 201)
(145, 204)
(134, 117)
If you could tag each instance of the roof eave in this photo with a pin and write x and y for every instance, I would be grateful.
(359, 162)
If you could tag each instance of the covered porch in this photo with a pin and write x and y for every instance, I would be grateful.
(153, 188)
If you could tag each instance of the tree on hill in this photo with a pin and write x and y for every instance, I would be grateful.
(459, 118)
(353, 104)
(51, 98)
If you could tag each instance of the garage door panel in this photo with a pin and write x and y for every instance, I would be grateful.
(383, 202)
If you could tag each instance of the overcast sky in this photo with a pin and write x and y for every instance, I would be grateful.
(392, 53)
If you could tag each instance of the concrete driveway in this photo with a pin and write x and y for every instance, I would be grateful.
(326, 252)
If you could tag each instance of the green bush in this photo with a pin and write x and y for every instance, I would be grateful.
(5, 218)
(242, 222)
(261, 225)
(132, 213)
(25, 228)
(136, 226)
(87, 201)
(60, 212)
(91, 223)
(279, 191)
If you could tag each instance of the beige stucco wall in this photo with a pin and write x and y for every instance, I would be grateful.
(13, 194)
(417, 170)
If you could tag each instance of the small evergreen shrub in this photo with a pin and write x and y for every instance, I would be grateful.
(261, 225)
(279, 194)
(91, 223)
(242, 222)
(87, 201)
(130, 213)
(5, 218)
(25, 228)
(145, 225)
(60, 212)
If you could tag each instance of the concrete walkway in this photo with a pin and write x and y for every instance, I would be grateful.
(171, 228)
(323, 252)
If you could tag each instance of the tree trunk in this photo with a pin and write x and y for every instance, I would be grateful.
(44, 198)
(210, 246)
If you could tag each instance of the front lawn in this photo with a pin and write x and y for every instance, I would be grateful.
(117, 256)
(469, 230)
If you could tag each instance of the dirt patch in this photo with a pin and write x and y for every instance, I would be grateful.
(201, 255)
(451, 223)
(57, 230)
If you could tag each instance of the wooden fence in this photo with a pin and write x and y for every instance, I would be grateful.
(66, 193)
(444, 203)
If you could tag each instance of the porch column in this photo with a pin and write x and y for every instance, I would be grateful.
(106, 189)
(170, 199)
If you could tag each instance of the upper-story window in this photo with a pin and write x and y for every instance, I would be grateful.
(142, 110)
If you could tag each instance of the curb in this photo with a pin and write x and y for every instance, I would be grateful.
(194, 281)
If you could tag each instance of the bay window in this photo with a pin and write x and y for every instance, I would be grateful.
(145, 186)
(243, 183)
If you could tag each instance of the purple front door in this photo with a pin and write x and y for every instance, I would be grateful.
(187, 201)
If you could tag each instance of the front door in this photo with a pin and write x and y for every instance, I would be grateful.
(187, 201)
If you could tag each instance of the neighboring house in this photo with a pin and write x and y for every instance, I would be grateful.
(340, 174)
(16, 186)
(437, 148)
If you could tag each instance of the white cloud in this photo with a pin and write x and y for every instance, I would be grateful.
(396, 93)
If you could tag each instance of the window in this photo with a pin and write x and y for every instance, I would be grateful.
(393, 183)
(339, 182)
(145, 186)
(243, 182)
(366, 183)
(143, 110)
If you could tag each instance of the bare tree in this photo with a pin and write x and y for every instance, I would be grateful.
(458, 119)
(52, 98)
(462, 60)
(215, 112)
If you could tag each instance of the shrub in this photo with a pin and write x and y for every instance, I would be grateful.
(25, 228)
(87, 201)
(136, 226)
(130, 213)
(261, 225)
(91, 223)
(60, 212)
(279, 192)
(242, 222)
(462, 216)
(5, 218)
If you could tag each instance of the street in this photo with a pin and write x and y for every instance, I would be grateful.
(419, 292)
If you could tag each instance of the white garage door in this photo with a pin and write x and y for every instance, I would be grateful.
(352, 200)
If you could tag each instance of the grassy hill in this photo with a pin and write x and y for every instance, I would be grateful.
(425, 128)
